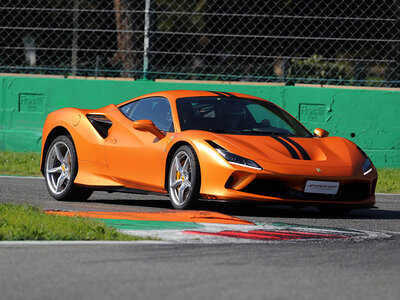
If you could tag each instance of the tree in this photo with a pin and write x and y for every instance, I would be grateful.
(124, 37)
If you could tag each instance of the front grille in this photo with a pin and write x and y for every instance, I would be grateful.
(275, 188)
(267, 188)
(353, 191)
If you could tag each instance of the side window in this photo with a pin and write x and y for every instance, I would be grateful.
(156, 109)
(128, 109)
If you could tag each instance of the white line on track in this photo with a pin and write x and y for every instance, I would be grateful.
(23, 243)
(21, 177)
(387, 194)
(80, 243)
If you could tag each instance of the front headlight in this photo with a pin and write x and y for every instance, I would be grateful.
(367, 166)
(235, 159)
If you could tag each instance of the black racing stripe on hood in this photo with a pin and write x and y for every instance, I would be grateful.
(218, 94)
(292, 152)
(299, 147)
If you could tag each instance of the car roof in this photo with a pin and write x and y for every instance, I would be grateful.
(176, 94)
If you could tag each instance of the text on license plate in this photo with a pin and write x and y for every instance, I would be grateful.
(321, 187)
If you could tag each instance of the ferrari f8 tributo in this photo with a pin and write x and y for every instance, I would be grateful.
(202, 145)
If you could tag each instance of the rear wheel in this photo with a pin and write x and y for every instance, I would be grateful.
(184, 178)
(61, 167)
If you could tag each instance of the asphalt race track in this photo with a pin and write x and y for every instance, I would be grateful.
(368, 269)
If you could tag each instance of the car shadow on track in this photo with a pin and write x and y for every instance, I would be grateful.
(245, 209)
(285, 211)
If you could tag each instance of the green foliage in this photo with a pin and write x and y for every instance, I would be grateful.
(318, 68)
(195, 22)
(388, 181)
(25, 222)
(15, 163)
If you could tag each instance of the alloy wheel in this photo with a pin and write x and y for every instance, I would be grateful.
(180, 177)
(58, 167)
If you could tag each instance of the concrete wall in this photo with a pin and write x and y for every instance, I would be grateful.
(370, 118)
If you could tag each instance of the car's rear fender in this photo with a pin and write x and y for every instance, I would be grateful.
(88, 143)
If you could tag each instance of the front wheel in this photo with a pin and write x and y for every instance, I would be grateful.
(184, 178)
(61, 167)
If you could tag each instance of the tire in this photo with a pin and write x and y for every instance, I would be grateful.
(60, 169)
(184, 178)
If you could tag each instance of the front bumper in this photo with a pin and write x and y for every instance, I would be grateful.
(232, 195)
(238, 183)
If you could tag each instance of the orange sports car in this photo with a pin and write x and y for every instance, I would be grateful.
(202, 145)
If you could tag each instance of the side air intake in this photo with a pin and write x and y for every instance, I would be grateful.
(100, 123)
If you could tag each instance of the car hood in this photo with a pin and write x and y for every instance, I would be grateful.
(329, 151)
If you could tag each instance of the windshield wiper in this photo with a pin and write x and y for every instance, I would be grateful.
(217, 130)
(268, 132)
(259, 131)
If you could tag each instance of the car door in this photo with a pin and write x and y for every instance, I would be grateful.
(137, 158)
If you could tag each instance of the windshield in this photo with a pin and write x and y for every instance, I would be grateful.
(237, 116)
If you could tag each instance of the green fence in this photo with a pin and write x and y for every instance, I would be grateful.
(370, 118)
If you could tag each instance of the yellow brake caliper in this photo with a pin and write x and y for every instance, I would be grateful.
(178, 175)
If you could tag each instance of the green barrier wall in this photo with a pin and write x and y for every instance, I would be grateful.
(370, 118)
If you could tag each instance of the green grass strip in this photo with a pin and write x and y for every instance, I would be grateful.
(24, 164)
(388, 181)
(28, 164)
(25, 222)
(149, 225)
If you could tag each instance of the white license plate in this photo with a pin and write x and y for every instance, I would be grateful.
(321, 187)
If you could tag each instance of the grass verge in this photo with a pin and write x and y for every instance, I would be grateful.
(388, 181)
(28, 164)
(15, 163)
(25, 222)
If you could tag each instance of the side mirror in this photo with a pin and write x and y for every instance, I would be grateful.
(320, 133)
(148, 125)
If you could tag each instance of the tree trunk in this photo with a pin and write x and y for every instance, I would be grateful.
(125, 37)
